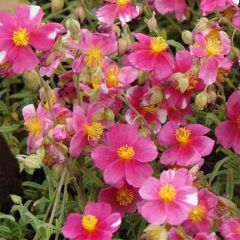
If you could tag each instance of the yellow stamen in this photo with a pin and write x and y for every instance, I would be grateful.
(123, 2)
(167, 193)
(89, 222)
(94, 58)
(197, 214)
(95, 81)
(124, 196)
(33, 125)
(213, 43)
(112, 76)
(158, 44)
(20, 37)
(182, 135)
(94, 131)
(125, 152)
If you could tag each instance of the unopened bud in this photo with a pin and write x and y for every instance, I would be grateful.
(234, 54)
(32, 80)
(212, 96)
(182, 81)
(155, 232)
(73, 26)
(156, 96)
(117, 30)
(16, 199)
(187, 37)
(109, 114)
(151, 23)
(122, 45)
(57, 5)
(80, 14)
(202, 24)
(201, 100)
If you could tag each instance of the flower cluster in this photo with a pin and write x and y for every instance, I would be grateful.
(126, 109)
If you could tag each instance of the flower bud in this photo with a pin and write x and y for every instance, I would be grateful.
(151, 23)
(201, 100)
(80, 14)
(117, 30)
(187, 37)
(32, 80)
(234, 54)
(202, 24)
(57, 5)
(73, 26)
(155, 232)
(182, 81)
(16, 199)
(212, 96)
(59, 133)
(109, 114)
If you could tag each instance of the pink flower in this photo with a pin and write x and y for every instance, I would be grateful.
(236, 20)
(94, 48)
(150, 53)
(208, 6)
(168, 199)
(179, 7)
(122, 200)
(186, 145)
(22, 31)
(97, 223)
(201, 217)
(211, 46)
(230, 228)
(37, 123)
(126, 157)
(86, 129)
(228, 132)
(123, 9)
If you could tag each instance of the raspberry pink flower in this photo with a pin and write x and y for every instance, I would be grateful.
(228, 132)
(97, 223)
(22, 31)
(86, 129)
(186, 145)
(230, 228)
(123, 9)
(212, 47)
(37, 123)
(122, 200)
(168, 199)
(201, 217)
(126, 157)
(150, 53)
(179, 7)
(208, 6)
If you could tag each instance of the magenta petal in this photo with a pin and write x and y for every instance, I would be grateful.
(126, 14)
(79, 118)
(236, 142)
(77, 144)
(170, 156)
(145, 150)
(103, 156)
(204, 145)
(167, 133)
(137, 173)
(150, 189)
(209, 70)
(197, 129)
(100, 210)
(72, 225)
(183, 61)
(29, 111)
(114, 173)
(233, 105)
(107, 14)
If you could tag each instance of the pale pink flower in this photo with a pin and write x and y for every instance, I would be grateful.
(125, 157)
(97, 223)
(122, 200)
(168, 199)
(151, 54)
(178, 7)
(230, 228)
(37, 123)
(22, 31)
(186, 144)
(228, 132)
(125, 10)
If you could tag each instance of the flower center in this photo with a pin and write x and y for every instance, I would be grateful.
(122, 2)
(167, 193)
(193, 81)
(20, 37)
(94, 58)
(112, 76)
(158, 44)
(238, 122)
(89, 222)
(124, 196)
(197, 214)
(33, 125)
(94, 131)
(213, 43)
(125, 152)
(182, 135)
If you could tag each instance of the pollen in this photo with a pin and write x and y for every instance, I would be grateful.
(21, 37)
(124, 196)
(94, 58)
(197, 214)
(167, 193)
(182, 135)
(122, 2)
(33, 125)
(125, 152)
(94, 131)
(193, 81)
(89, 222)
(213, 43)
(158, 44)
(111, 76)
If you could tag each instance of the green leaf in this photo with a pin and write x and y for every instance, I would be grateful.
(175, 44)
(230, 183)
(9, 128)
